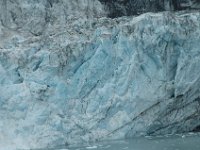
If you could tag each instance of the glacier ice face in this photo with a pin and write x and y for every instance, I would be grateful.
(34, 16)
(94, 78)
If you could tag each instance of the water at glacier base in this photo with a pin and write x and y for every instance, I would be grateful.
(179, 142)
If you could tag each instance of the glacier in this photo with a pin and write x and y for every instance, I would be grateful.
(69, 74)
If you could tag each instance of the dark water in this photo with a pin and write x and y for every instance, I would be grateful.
(185, 142)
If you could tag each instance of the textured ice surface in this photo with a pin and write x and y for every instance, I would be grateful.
(68, 80)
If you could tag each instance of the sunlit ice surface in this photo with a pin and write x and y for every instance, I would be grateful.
(189, 141)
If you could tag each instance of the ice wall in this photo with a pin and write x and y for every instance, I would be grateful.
(94, 78)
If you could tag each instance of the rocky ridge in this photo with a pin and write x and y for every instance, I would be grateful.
(117, 8)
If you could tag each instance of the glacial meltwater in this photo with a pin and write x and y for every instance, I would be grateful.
(179, 142)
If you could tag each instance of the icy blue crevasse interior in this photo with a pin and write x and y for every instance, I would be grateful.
(96, 78)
